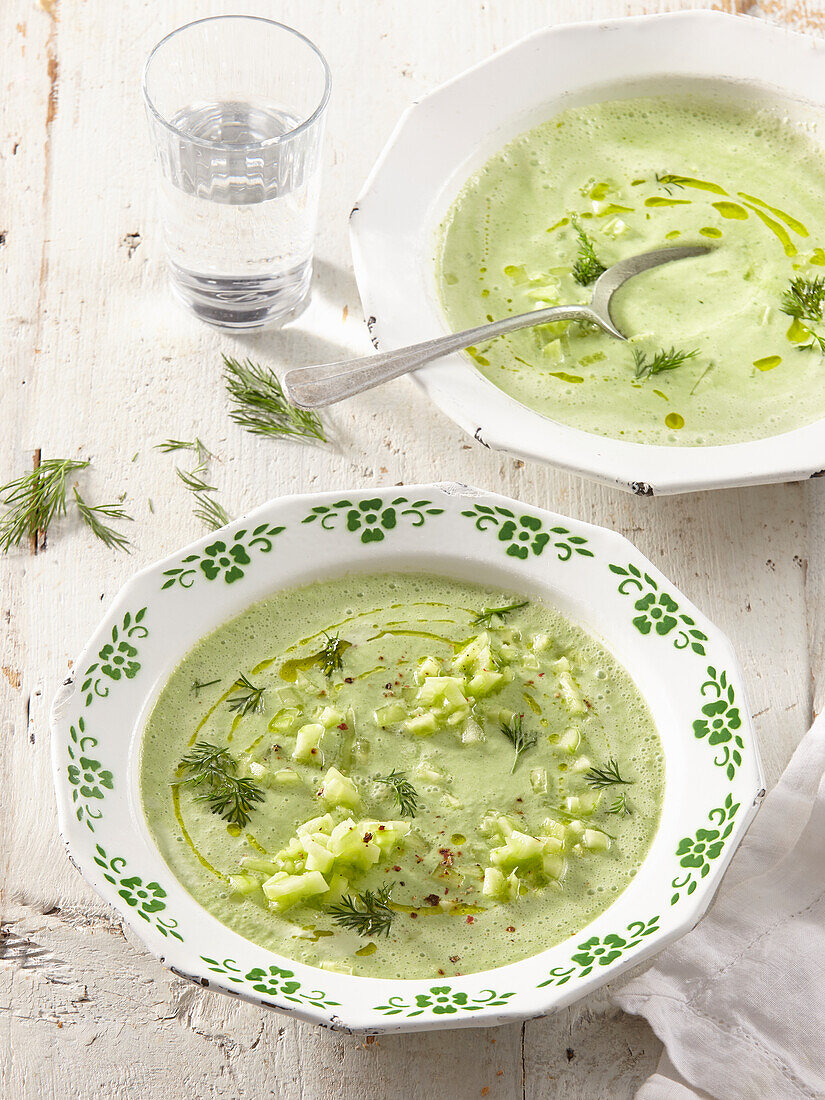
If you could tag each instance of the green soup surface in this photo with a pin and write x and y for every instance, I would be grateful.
(633, 175)
(407, 783)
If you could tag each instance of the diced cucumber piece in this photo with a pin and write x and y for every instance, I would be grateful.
(495, 884)
(581, 764)
(257, 863)
(329, 717)
(468, 657)
(458, 716)
(472, 733)
(283, 720)
(426, 769)
(584, 803)
(422, 725)
(391, 713)
(552, 845)
(386, 834)
(518, 849)
(284, 891)
(427, 666)
(553, 828)
(307, 742)
(334, 966)
(505, 825)
(339, 790)
(287, 776)
(570, 693)
(451, 801)
(361, 750)
(553, 865)
(244, 884)
(529, 662)
(338, 887)
(540, 642)
(538, 780)
(485, 682)
(434, 688)
(574, 830)
(323, 824)
(595, 840)
(570, 741)
(318, 855)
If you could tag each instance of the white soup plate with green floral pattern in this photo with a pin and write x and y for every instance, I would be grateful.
(683, 665)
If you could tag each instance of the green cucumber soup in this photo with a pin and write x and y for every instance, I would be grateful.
(595, 184)
(402, 775)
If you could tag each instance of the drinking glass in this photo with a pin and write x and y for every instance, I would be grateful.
(236, 107)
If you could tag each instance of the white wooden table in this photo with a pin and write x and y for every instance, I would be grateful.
(97, 362)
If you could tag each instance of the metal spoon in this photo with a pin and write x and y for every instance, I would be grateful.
(316, 386)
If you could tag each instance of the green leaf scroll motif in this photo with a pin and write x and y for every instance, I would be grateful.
(225, 558)
(658, 612)
(601, 952)
(696, 853)
(88, 778)
(526, 534)
(272, 981)
(145, 898)
(117, 659)
(720, 721)
(442, 1000)
(372, 519)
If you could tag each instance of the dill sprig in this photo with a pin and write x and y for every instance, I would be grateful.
(608, 776)
(92, 515)
(619, 806)
(214, 769)
(247, 698)
(661, 361)
(405, 793)
(587, 266)
(368, 914)
(485, 616)
(35, 499)
(331, 656)
(211, 512)
(262, 407)
(522, 739)
(669, 181)
(201, 450)
(804, 300)
(198, 685)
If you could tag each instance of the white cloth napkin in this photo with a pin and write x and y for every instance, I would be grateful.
(740, 1001)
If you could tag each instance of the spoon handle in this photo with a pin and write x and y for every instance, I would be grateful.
(316, 386)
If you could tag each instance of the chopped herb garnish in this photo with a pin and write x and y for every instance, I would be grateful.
(619, 806)
(92, 514)
(331, 656)
(213, 514)
(247, 698)
(661, 361)
(485, 617)
(198, 686)
(522, 740)
(261, 406)
(587, 267)
(405, 793)
(607, 776)
(368, 914)
(202, 451)
(214, 769)
(804, 300)
(194, 482)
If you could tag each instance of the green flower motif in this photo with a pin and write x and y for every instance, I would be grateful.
(442, 1000)
(89, 778)
(524, 534)
(658, 613)
(86, 775)
(223, 558)
(145, 899)
(720, 720)
(117, 660)
(601, 952)
(219, 559)
(697, 852)
(371, 519)
(273, 981)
